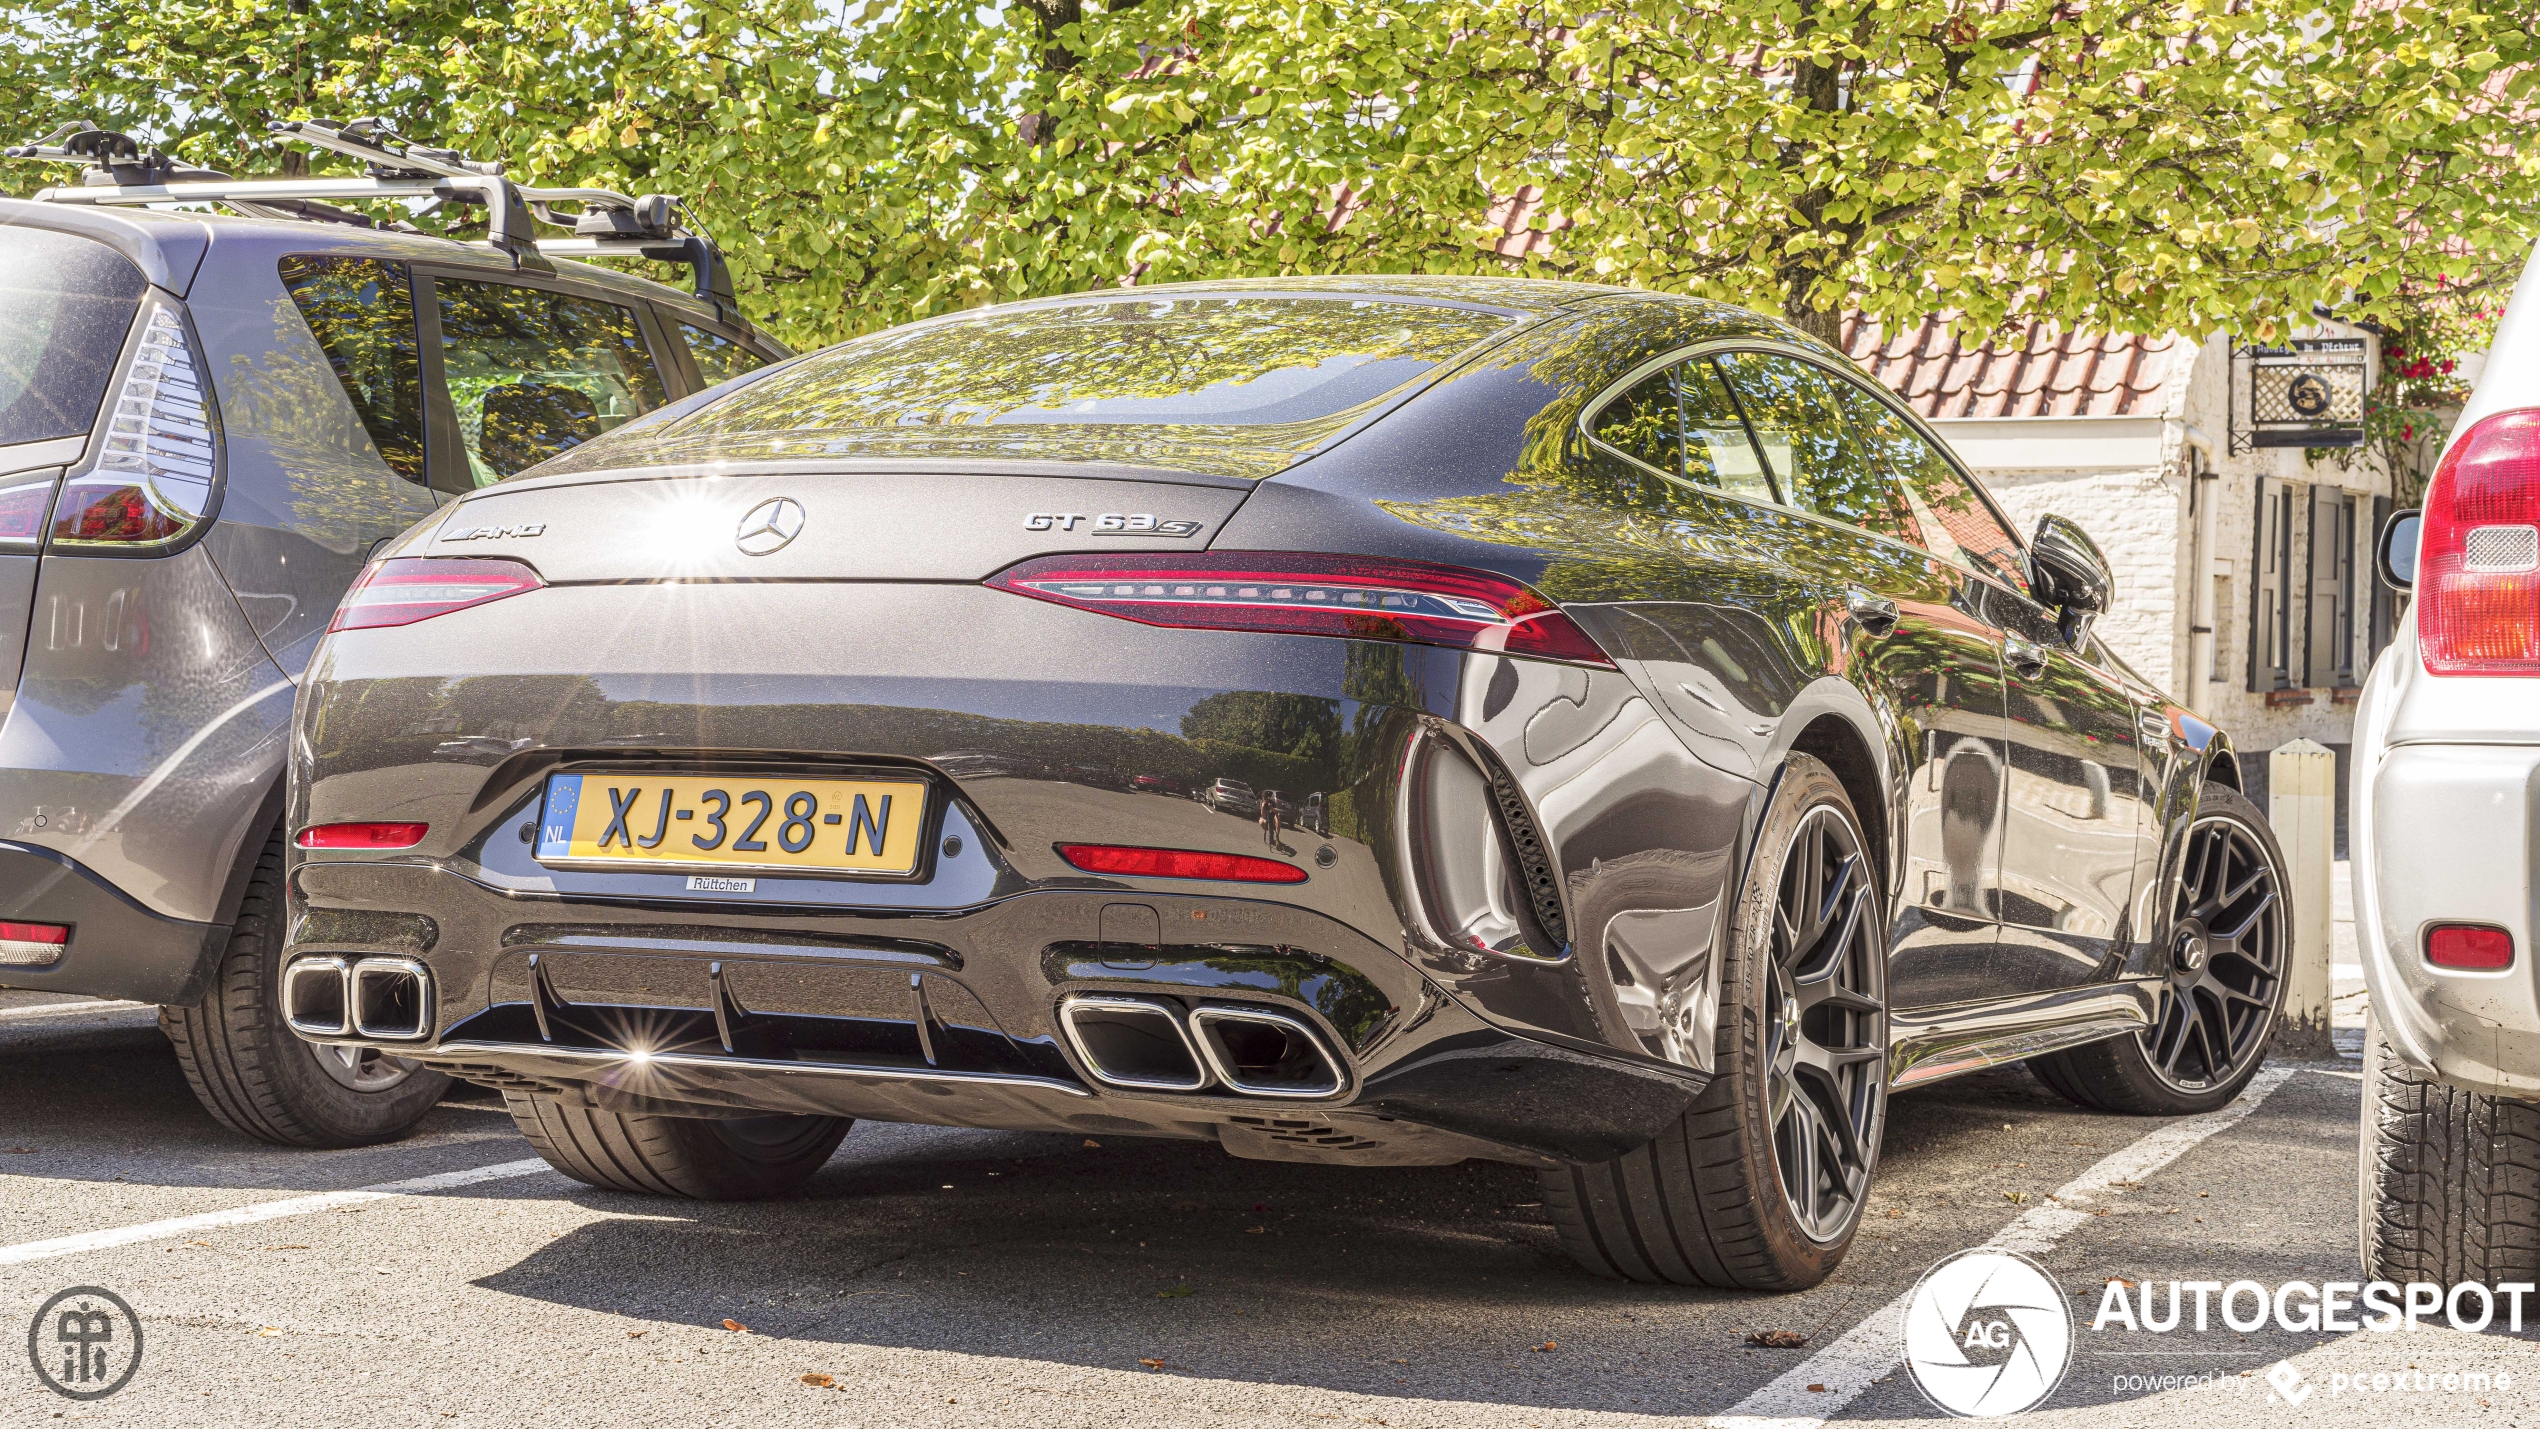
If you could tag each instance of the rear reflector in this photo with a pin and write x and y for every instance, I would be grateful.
(1179, 863)
(1355, 597)
(405, 589)
(32, 945)
(362, 835)
(2478, 553)
(2463, 945)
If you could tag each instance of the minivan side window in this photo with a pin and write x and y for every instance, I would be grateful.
(1680, 420)
(1820, 457)
(532, 373)
(718, 358)
(362, 313)
(1957, 523)
(65, 304)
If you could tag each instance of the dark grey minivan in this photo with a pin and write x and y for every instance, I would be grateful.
(1628, 744)
(207, 424)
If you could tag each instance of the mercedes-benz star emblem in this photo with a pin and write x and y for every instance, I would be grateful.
(770, 526)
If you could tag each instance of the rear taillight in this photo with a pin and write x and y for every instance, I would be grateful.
(24, 499)
(361, 835)
(1179, 863)
(405, 589)
(2469, 945)
(157, 467)
(2478, 554)
(1358, 598)
(32, 945)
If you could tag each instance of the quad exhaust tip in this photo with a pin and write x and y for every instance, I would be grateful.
(1153, 1046)
(385, 999)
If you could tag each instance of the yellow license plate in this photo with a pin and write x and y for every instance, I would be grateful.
(868, 826)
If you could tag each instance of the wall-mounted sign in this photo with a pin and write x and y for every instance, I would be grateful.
(2310, 394)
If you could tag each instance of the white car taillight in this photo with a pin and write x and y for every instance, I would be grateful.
(159, 465)
(2478, 559)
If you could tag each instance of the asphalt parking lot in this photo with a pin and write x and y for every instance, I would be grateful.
(961, 1277)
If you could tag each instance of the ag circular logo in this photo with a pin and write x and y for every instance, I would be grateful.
(85, 1343)
(770, 526)
(1987, 1333)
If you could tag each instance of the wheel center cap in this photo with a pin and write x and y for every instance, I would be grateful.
(2189, 952)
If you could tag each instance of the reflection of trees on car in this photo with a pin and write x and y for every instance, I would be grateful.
(1299, 725)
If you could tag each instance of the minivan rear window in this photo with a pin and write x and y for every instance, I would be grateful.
(1204, 361)
(66, 303)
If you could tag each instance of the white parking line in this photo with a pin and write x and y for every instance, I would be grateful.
(1876, 1345)
(66, 1009)
(262, 1211)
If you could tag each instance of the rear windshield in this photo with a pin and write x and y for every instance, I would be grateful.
(65, 305)
(1128, 361)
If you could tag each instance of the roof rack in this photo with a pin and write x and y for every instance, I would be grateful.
(604, 223)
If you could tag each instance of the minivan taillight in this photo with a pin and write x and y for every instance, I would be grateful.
(2478, 554)
(1299, 593)
(159, 465)
(404, 589)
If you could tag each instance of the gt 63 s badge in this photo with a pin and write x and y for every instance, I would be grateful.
(1109, 523)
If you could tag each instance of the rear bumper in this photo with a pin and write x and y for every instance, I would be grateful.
(2445, 834)
(117, 947)
(951, 1017)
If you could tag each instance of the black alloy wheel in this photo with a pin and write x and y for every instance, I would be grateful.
(1824, 1034)
(2228, 958)
(2231, 954)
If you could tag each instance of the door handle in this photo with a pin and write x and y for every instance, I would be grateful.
(1875, 613)
(2154, 728)
(2026, 661)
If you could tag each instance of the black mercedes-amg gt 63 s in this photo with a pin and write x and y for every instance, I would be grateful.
(1366, 721)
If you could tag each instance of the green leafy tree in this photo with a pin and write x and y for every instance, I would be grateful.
(2141, 164)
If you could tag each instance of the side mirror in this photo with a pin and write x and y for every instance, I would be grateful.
(2067, 571)
(2395, 555)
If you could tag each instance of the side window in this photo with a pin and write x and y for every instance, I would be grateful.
(362, 313)
(718, 358)
(1819, 458)
(1956, 522)
(532, 373)
(1717, 452)
(1646, 423)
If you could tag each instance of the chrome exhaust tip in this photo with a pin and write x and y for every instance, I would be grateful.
(1261, 1053)
(1131, 1042)
(391, 999)
(317, 996)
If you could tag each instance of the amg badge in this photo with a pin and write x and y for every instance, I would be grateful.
(1109, 523)
(494, 533)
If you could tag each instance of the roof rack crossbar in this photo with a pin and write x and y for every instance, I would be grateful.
(608, 224)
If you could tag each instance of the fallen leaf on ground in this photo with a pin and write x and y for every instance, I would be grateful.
(2017, 1198)
(637, 1334)
(1816, 1389)
(1776, 1339)
(818, 1381)
(1256, 1230)
(1152, 1364)
(268, 1332)
(1176, 1293)
(1547, 1345)
(736, 1327)
(1896, 1213)
(2121, 1280)
(207, 1245)
(22, 1151)
(1089, 1141)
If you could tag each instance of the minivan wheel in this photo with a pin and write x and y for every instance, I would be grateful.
(748, 1158)
(254, 1076)
(2448, 1180)
(1759, 1186)
(2231, 959)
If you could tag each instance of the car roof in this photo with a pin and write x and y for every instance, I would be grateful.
(1530, 297)
(168, 246)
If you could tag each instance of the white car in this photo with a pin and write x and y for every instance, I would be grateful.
(2446, 793)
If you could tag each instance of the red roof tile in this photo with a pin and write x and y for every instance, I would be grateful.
(2044, 372)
